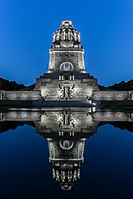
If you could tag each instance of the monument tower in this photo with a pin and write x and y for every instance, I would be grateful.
(66, 78)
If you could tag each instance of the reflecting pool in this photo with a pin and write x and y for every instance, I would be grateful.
(66, 153)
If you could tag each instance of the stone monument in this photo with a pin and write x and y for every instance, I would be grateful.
(66, 78)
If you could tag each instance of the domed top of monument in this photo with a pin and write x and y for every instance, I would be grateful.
(66, 173)
(66, 36)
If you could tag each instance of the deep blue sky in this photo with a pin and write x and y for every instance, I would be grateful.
(106, 27)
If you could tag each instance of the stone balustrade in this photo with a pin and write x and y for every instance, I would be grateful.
(20, 95)
(112, 95)
(96, 95)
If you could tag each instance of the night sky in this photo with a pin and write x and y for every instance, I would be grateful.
(27, 26)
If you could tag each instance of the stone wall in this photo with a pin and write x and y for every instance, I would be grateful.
(76, 57)
(20, 116)
(112, 95)
(112, 116)
(74, 90)
(20, 95)
(131, 95)
(57, 153)
(1, 95)
(62, 90)
(61, 121)
(75, 120)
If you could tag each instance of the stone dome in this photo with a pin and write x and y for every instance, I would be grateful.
(66, 36)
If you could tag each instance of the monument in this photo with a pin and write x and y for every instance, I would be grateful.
(66, 78)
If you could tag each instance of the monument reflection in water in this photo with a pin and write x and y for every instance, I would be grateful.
(66, 130)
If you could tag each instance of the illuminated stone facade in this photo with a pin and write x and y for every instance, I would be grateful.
(66, 78)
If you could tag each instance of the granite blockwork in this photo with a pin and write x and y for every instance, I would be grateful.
(66, 78)
(20, 95)
(112, 95)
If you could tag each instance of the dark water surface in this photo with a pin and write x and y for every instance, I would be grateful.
(25, 170)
